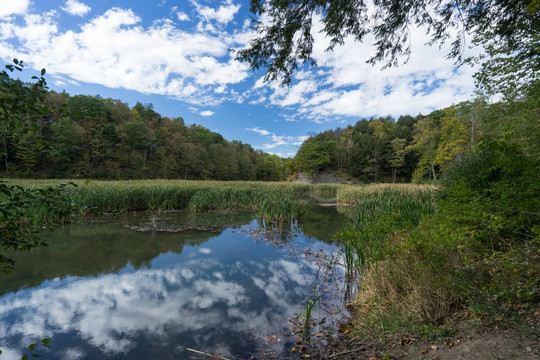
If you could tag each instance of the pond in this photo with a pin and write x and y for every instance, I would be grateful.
(154, 285)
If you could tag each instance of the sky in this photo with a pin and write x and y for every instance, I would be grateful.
(176, 55)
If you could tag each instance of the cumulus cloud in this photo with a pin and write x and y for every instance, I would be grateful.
(115, 50)
(75, 7)
(343, 85)
(224, 14)
(19, 7)
(182, 16)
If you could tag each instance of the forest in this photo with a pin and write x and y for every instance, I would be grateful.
(387, 150)
(85, 136)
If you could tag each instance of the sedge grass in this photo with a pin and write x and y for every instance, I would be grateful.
(274, 202)
(379, 211)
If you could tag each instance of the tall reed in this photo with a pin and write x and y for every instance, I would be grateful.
(274, 202)
(378, 212)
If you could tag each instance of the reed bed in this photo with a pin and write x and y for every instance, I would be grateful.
(273, 201)
(356, 194)
(378, 212)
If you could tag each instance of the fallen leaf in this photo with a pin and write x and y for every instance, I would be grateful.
(434, 347)
(305, 356)
(424, 352)
(293, 349)
(449, 344)
(319, 334)
(347, 331)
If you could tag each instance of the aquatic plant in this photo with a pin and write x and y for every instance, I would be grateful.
(379, 211)
(274, 202)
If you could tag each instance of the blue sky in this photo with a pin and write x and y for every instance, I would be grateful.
(175, 55)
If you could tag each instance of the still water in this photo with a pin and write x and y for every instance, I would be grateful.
(104, 289)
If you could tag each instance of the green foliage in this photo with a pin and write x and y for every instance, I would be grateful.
(379, 212)
(314, 156)
(24, 213)
(275, 202)
(284, 39)
(480, 248)
(92, 137)
(35, 349)
(21, 108)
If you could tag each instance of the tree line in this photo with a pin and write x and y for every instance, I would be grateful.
(93, 137)
(398, 150)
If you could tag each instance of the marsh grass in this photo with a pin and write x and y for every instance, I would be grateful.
(273, 202)
(396, 288)
(306, 330)
(378, 212)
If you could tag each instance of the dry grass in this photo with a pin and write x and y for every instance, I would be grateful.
(404, 289)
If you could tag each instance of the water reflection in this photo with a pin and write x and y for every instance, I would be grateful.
(222, 294)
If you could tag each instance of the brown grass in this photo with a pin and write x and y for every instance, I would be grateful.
(402, 290)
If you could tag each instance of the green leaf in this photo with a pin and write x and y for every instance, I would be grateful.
(31, 347)
(43, 72)
(46, 341)
(25, 357)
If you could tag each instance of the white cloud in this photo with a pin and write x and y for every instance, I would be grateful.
(259, 131)
(277, 140)
(344, 85)
(206, 113)
(19, 7)
(223, 15)
(182, 16)
(159, 59)
(75, 7)
(204, 250)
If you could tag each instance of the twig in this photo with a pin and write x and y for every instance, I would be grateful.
(351, 351)
(213, 356)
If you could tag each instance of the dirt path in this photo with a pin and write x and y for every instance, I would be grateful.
(470, 340)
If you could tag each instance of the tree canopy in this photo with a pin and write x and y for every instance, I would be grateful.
(284, 30)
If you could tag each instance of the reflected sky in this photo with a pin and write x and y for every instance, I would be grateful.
(223, 295)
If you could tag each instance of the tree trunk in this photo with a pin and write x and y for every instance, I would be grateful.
(6, 157)
(472, 129)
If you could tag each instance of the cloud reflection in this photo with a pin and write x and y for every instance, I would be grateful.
(203, 303)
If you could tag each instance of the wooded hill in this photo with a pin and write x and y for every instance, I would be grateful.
(92, 137)
(388, 150)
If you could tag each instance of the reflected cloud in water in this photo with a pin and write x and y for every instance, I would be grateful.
(212, 298)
